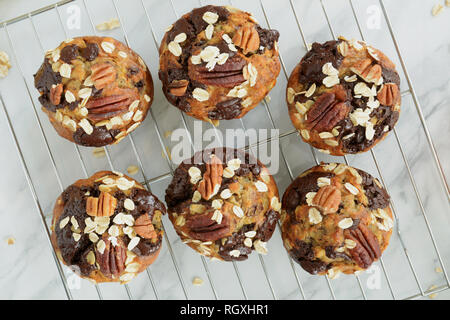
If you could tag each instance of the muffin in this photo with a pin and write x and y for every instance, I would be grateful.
(344, 97)
(224, 204)
(218, 63)
(107, 228)
(95, 90)
(335, 218)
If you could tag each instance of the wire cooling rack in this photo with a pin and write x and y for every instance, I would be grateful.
(414, 264)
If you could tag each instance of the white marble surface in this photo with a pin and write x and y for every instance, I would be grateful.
(28, 269)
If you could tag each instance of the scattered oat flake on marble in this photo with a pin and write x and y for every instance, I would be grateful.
(111, 24)
(437, 9)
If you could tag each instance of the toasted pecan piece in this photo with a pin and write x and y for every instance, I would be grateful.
(368, 71)
(389, 95)
(112, 261)
(228, 75)
(144, 227)
(367, 248)
(55, 94)
(103, 206)
(247, 38)
(328, 198)
(103, 74)
(203, 228)
(212, 178)
(106, 107)
(178, 87)
(326, 112)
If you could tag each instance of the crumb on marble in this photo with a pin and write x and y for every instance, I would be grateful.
(10, 241)
(4, 64)
(132, 170)
(108, 25)
(163, 154)
(98, 152)
(433, 295)
(437, 9)
(197, 281)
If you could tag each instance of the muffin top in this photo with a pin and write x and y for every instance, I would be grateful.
(335, 218)
(223, 203)
(344, 96)
(94, 89)
(108, 227)
(218, 63)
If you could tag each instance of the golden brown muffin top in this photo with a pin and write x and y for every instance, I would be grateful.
(107, 227)
(335, 218)
(344, 96)
(95, 87)
(218, 63)
(223, 203)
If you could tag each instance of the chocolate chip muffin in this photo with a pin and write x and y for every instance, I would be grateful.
(107, 228)
(95, 90)
(224, 204)
(218, 63)
(335, 218)
(343, 96)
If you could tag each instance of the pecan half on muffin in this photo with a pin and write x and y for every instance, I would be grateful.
(335, 218)
(218, 63)
(343, 96)
(107, 228)
(223, 203)
(95, 90)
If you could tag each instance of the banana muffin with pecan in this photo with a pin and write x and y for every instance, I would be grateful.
(107, 228)
(218, 63)
(343, 96)
(224, 204)
(335, 218)
(95, 90)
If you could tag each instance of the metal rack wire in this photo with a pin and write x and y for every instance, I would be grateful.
(147, 181)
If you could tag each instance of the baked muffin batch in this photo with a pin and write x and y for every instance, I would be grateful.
(218, 63)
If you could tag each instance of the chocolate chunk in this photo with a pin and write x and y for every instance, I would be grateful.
(182, 25)
(228, 109)
(312, 62)
(358, 142)
(73, 252)
(390, 76)
(236, 242)
(196, 16)
(267, 37)
(266, 230)
(90, 52)
(98, 138)
(332, 254)
(304, 255)
(46, 77)
(180, 189)
(295, 195)
(147, 247)
(145, 203)
(69, 53)
(377, 197)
